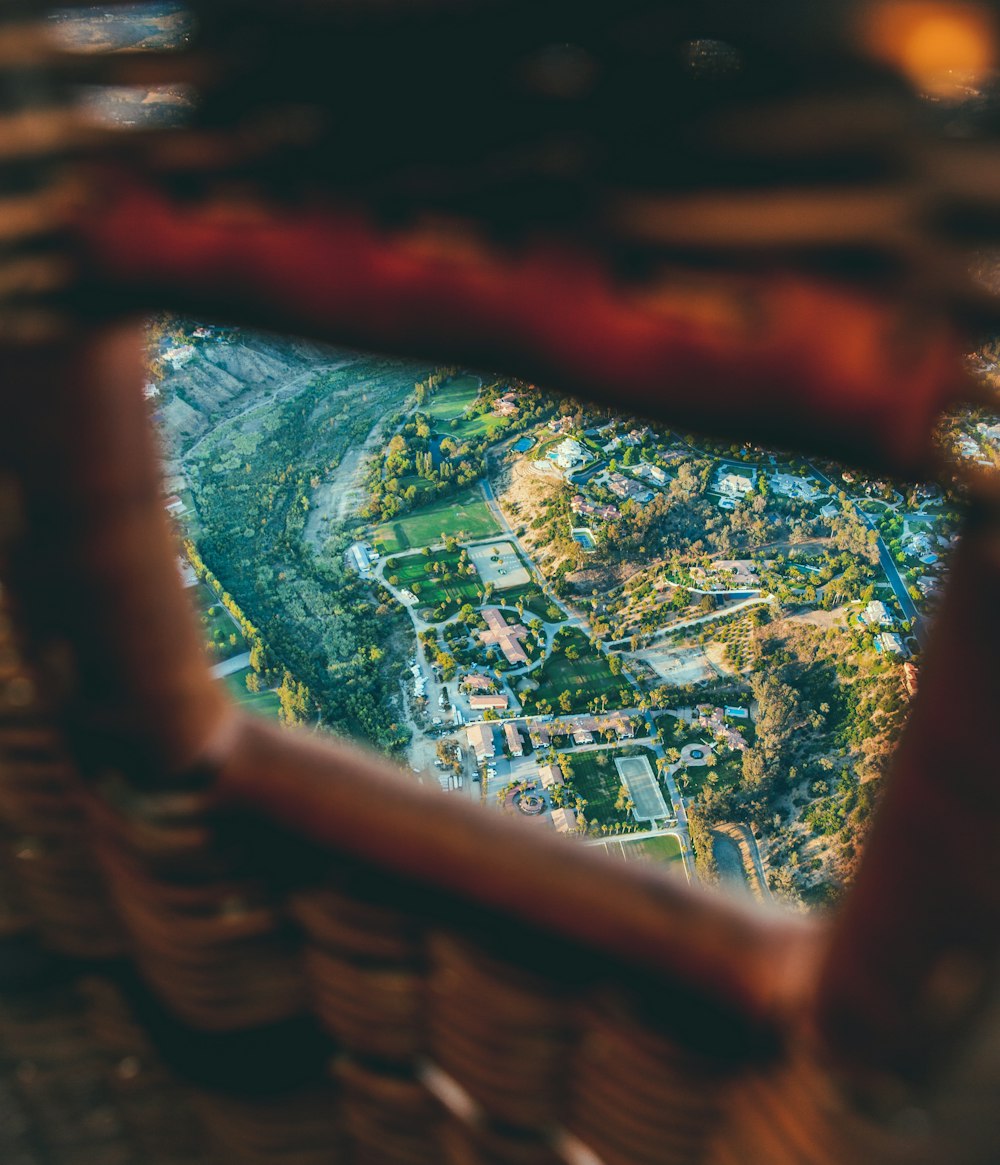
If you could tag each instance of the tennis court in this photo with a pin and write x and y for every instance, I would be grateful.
(638, 778)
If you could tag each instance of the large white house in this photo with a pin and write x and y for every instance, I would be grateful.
(734, 485)
(569, 453)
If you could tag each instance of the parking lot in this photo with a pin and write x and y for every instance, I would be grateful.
(507, 571)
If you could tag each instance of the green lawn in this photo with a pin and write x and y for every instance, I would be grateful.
(453, 398)
(434, 590)
(535, 603)
(448, 405)
(660, 849)
(597, 780)
(671, 729)
(217, 627)
(665, 850)
(477, 426)
(462, 515)
(586, 678)
(260, 703)
(727, 770)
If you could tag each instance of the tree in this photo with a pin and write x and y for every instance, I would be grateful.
(565, 701)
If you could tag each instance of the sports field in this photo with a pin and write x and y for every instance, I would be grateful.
(639, 779)
(665, 849)
(462, 515)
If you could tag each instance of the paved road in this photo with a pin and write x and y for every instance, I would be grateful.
(229, 666)
(889, 568)
(737, 833)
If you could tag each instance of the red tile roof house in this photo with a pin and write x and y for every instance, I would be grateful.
(514, 742)
(506, 636)
(494, 700)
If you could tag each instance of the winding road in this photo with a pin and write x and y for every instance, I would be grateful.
(889, 569)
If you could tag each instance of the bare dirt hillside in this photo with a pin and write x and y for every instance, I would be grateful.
(224, 376)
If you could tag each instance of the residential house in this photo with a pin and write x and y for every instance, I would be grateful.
(583, 506)
(506, 406)
(619, 724)
(506, 636)
(627, 487)
(513, 735)
(876, 614)
(498, 701)
(564, 820)
(741, 571)
(550, 776)
(539, 735)
(177, 357)
(714, 719)
(891, 644)
(477, 683)
(482, 741)
(793, 486)
(734, 485)
(569, 453)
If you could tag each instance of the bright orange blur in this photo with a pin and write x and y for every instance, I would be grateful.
(943, 48)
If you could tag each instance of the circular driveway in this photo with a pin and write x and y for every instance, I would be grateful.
(695, 754)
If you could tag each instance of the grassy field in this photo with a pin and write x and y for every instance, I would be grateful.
(453, 398)
(586, 678)
(448, 405)
(596, 779)
(665, 849)
(434, 591)
(726, 773)
(535, 603)
(260, 703)
(217, 628)
(477, 426)
(462, 514)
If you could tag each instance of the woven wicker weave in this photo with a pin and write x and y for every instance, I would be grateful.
(225, 943)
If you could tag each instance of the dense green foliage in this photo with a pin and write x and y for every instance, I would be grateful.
(310, 616)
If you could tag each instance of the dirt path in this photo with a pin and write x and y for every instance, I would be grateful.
(340, 498)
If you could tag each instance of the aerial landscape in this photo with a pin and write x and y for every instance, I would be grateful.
(682, 652)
